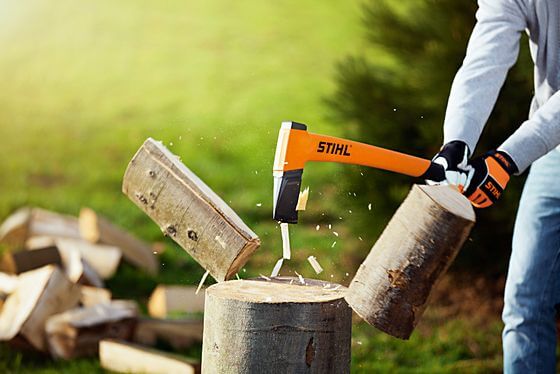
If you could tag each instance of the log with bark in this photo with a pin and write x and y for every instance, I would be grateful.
(28, 222)
(97, 229)
(77, 332)
(121, 357)
(391, 288)
(168, 299)
(188, 211)
(39, 294)
(277, 326)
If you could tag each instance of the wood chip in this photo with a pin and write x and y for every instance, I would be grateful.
(286, 251)
(202, 280)
(302, 200)
(301, 280)
(315, 264)
(277, 268)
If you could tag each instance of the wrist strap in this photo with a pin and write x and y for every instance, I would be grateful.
(505, 161)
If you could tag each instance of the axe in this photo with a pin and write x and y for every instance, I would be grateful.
(296, 146)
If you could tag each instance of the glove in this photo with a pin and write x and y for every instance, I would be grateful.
(488, 176)
(453, 157)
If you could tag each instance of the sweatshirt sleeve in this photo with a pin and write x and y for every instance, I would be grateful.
(493, 48)
(536, 136)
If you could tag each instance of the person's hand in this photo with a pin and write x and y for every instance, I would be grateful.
(488, 176)
(453, 157)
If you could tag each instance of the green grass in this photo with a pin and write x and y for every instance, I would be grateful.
(83, 84)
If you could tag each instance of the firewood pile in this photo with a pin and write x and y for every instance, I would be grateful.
(53, 298)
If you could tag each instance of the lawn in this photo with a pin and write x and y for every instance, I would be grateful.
(83, 84)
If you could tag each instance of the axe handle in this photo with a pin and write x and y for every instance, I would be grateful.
(305, 146)
(351, 152)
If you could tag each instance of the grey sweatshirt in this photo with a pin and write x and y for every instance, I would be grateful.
(493, 48)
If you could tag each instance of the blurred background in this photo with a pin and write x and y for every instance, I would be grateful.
(83, 84)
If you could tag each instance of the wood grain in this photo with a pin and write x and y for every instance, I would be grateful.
(188, 211)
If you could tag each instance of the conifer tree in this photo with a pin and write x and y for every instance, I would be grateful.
(394, 93)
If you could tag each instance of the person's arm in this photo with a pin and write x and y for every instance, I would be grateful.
(536, 136)
(493, 48)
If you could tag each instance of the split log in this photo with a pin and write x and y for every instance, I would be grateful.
(77, 332)
(8, 284)
(277, 326)
(188, 211)
(90, 296)
(178, 333)
(78, 269)
(28, 222)
(97, 229)
(167, 300)
(39, 294)
(22, 261)
(391, 288)
(104, 259)
(123, 357)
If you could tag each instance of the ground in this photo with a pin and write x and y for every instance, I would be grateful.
(85, 83)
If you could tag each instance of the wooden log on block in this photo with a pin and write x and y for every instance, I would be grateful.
(178, 333)
(97, 229)
(104, 259)
(39, 294)
(188, 211)
(90, 296)
(77, 332)
(28, 222)
(22, 261)
(121, 357)
(391, 288)
(169, 300)
(277, 326)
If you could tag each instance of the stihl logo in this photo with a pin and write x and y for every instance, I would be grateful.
(333, 148)
(493, 190)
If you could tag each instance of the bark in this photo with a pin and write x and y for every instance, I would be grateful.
(391, 288)
(188, 211)
(277, 326)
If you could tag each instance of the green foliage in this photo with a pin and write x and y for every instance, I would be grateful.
(394, 95)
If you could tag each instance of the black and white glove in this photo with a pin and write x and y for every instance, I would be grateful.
(488, 176)
(453, 156)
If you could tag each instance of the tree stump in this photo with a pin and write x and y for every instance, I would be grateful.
(276, 326)
(391, 288)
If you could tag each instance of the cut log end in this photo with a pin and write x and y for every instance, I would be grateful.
(278, 290)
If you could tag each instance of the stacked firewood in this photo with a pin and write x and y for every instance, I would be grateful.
(53, 297)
